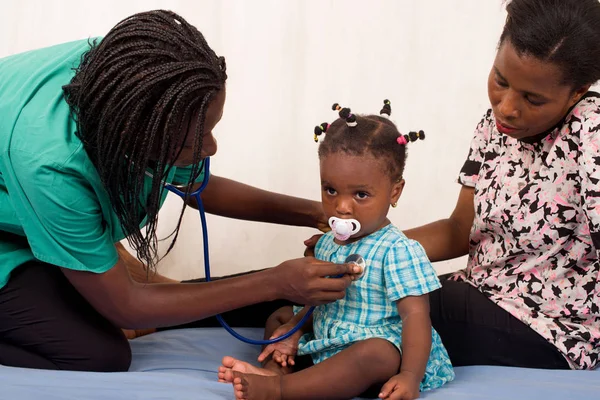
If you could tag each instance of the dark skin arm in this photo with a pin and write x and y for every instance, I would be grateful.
(133, 305)
(232, 199)
(138, 271)
(416, 346)
(448, 238)
(285, 351)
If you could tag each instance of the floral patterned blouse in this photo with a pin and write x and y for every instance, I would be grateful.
(535, 240)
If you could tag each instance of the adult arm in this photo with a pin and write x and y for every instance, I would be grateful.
(448, 238)
(133, 305)
(228, 198)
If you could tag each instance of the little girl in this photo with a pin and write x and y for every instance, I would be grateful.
(380, 332)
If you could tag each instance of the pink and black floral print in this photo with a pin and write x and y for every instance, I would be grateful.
(535, 240)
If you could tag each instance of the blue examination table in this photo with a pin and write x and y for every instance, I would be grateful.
(182, 364)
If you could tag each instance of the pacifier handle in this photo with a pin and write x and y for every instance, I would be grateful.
(355, 224)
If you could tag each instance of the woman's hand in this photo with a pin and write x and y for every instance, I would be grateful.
(310, 245)
(322, 221)
(308, 280)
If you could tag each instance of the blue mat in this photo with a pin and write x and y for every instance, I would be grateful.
(182, 365)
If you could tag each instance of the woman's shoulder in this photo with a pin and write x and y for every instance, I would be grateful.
(36, 126)
(487, 122)
(584, 118)
(589, 102)
(485, 130)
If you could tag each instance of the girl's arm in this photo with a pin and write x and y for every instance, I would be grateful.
(308, 325)
(416, 346)
(416, 335)
(284, 352)
(232, 199)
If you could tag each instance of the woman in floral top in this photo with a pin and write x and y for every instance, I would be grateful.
(528, 213)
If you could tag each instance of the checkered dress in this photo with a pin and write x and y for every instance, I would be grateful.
(396, 267)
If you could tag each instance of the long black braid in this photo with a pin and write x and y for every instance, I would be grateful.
(133, 97)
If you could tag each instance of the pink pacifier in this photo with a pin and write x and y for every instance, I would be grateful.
(344, 228)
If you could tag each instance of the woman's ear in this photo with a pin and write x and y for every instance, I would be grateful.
(578, 94)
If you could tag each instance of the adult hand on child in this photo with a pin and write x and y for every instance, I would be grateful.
(310, 245)
(404, 386)
(321, 219)
(284, 351)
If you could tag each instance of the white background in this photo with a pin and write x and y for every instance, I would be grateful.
(288, 61)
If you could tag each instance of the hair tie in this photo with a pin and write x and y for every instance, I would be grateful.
(320, 129)
(411, 137)
(414, 136)
(346, 114)
(386, 111)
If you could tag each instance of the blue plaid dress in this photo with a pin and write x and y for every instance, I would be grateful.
(396, 267)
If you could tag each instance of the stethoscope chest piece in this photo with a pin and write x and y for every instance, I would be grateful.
(358, 260)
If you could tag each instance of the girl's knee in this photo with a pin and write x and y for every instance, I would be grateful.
(379, 352)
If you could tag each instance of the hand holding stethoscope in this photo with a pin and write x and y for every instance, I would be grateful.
(196, 194)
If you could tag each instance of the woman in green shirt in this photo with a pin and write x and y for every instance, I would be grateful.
(89, 133)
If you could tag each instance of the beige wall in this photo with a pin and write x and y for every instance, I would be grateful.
(288, 61)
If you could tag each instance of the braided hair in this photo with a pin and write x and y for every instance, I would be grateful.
(358, 135)
(133, 98)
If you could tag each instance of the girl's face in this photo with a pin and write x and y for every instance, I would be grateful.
(527, 95)
(358, 187)
(209, 143)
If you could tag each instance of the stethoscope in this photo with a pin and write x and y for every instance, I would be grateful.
(354, 258)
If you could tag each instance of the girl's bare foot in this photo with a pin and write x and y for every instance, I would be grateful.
(256, 387)
(230, 365)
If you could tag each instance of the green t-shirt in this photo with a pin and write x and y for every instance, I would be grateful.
(53, 207)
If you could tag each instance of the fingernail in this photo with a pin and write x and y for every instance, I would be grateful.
(357, 269)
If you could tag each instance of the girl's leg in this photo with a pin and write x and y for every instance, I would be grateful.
(476, 331)
(46, 324)
(343, 376)
(269, 366)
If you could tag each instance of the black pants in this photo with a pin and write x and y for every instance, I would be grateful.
(46, 324)
(476, 331)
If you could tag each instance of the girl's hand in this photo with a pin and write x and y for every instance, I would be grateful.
(285, 350)
(404, 386)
